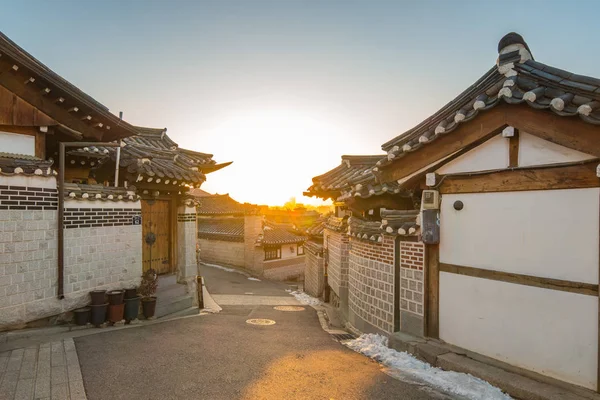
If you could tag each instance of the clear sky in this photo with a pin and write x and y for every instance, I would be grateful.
(284, 88)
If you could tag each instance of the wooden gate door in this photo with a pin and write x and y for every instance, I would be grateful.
(156, 223)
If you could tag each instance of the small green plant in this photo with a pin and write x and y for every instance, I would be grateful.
(149, 283)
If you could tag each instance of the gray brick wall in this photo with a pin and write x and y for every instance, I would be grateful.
(337, 246)
(371, 280)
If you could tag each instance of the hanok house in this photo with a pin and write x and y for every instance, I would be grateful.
(55, 249)
(46, 270)
(161, 173)
(235, 234)
(510, 215)
(363, 260)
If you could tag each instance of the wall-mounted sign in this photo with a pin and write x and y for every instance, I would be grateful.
(136, 220)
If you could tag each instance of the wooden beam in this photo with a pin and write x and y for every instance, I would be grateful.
(432, 276)
(489, 123)
(519, 179)
(513, 150)
(10, 80)
(40, 145)
(570, 132)
(588, 289)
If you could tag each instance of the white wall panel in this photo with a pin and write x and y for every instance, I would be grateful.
(551, 332)
(552, 233)
(536, 151)
(492, 154)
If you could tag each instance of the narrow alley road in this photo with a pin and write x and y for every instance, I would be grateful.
(221, 356)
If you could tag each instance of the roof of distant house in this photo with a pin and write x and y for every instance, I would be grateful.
(228, 228)
(274, 234)
(222, 204)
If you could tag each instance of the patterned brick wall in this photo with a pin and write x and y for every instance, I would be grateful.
(371, 279)
(412, 256)
(97, 217)
(13, 197)
(337, 246)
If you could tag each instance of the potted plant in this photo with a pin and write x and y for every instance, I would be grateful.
(132, 304)
(147, 290)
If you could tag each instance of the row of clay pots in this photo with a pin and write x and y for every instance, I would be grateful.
(122, 304)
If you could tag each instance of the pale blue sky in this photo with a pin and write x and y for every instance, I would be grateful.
(283, 88)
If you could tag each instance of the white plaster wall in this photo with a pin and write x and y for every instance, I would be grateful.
(550, 332)
(48, 182)
(492, 154)
(536, 151)
(552, 234)
(289, 250)
(17, 143)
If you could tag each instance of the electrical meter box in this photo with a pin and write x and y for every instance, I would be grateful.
(430, 227)
(430, 200)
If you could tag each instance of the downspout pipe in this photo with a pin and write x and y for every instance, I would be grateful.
(61, 204)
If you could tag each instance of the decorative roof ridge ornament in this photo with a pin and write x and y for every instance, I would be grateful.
(512, 49)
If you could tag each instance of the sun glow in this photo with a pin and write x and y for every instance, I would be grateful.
(275, 154)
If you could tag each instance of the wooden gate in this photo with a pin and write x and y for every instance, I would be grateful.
(156, 218)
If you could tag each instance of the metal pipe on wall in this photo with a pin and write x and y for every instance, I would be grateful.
(61, 204)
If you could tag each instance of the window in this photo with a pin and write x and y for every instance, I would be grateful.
(272, 253)
(300, 250)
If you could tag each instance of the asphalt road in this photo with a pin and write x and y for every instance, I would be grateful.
(220, 356)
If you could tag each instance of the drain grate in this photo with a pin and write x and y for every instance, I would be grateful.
(260, 321)
(340, 337)
(289, 308)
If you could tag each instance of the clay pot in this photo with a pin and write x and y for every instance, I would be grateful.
(149, 306)
(132, 308)
(130, 293)
(115, 297)
(98, 297)
(82, 316)
(115, 312)
(98, 313)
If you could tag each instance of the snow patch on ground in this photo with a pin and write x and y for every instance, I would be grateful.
(406, 367)
(253, 279)
(306, 299)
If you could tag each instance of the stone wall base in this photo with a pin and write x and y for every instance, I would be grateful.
(285, 273)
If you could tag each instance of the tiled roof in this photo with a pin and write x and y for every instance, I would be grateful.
(393, 222)
(230, 229)
(98, 192)
(399, 222)
(11, 163)
(354, 177)
(337, 224)
(151, 156)
(352, 169)
(515, 79)
(222, 205)
(280, 234)
(314, 247)
(317, 228)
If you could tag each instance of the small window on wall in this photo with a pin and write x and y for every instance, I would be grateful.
(300, 249)
(273, 253)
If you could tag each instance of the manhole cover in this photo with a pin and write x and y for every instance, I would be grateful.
(289, 308)
(260, 321)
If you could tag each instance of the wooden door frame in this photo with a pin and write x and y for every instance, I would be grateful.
(432, 294)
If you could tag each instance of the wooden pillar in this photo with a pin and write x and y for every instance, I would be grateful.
(432, 322)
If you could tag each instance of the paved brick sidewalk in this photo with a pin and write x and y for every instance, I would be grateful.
(47, 371)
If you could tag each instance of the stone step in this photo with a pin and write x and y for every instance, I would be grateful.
(170, 305)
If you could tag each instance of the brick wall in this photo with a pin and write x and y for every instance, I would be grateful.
(411, 268)
(222, 252)
(337, 246)
(187, 232)
(371, 282)
(253, 256)
(314, 269)
(95, 257)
